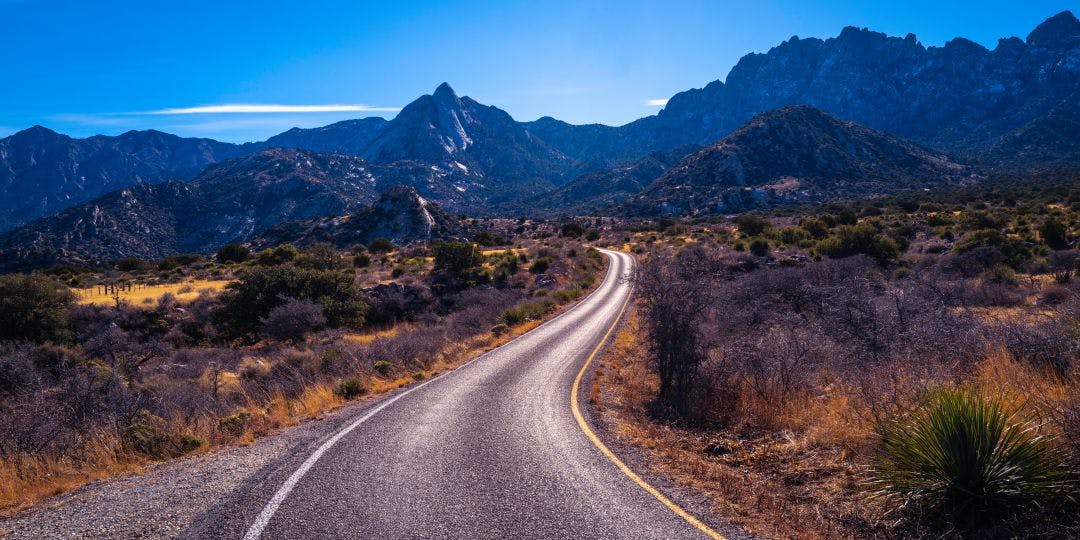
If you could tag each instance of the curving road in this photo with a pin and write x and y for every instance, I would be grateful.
(490, 450)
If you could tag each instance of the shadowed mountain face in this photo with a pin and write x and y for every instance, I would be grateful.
(794, 154)
(961, 96)
(231, 201)
(42, 172)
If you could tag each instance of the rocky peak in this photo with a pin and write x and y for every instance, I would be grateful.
(1058, 31)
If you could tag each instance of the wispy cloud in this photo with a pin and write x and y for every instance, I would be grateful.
(257, 108)
(657, 102)
(5, 131)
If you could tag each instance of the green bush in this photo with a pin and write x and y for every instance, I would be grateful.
(862, 239)
(751, 224)
(33, 308)
(262, 289)
(278, 255)
(1016, 251)
(232, 253)
(350, 389)
(759, 247)
(965, 458)
(541, 265)
(362, 260)
(381, 245)
(382, 366)
(527, 311)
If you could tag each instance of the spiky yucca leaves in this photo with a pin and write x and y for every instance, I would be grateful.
(965, 458)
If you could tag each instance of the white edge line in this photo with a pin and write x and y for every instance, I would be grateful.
(257, 528)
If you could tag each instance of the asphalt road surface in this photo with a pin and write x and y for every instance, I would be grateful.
(490, 450)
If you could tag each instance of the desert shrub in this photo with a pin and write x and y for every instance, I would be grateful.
(252, 297)
(458, 264)
(278, 255)
(292, 320)
(571, 229)
(381, 245)
(751, 224)
(592, 235)
(527, 311)
(362, 260)
(490, 239)
(759, 247)
(862, 239)
(974, 261)
(232, 253)
(321, 256)
(350, 389)
(964, 458)
(1015, 250)
(131, 264)
(382, 367)
(1054, 234)
(541, 265)
(33, 308)
(675, 295)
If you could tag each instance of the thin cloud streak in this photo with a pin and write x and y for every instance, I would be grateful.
(657, 102)
(251, 108)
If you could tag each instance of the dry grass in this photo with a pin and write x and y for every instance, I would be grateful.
(783, 483)
(792, 470)
(366, 338)
(185, 291)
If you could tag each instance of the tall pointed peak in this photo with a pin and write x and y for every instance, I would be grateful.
(1059, 30)
(444, 91)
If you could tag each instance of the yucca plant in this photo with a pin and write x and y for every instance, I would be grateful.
(965, 457)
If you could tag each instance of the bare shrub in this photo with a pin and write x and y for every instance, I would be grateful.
(293, 319)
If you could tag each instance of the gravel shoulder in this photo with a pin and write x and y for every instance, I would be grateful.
(169, 498)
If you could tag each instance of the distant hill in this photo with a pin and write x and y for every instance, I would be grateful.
(794, 154)
(230, 202)
(42, 172)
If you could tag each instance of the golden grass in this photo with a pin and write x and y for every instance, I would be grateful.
(185, 291)
(365, 338)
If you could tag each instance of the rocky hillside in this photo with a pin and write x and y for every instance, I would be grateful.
(230, 201)
(42, 172)
(795, 154)
(400, 214)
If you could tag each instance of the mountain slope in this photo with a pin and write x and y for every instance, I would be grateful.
(400, 214)
(595, 192)
(42, 172)
(347, 137)
(794, 154)
(230, 201)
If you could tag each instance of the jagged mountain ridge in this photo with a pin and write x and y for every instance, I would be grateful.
(795, 154)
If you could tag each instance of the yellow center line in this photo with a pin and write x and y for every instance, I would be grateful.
(698, 524)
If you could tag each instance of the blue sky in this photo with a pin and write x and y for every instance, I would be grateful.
(87, 67)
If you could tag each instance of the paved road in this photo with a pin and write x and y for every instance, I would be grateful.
(491, 450)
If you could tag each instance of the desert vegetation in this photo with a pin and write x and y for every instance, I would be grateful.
(288, 334)
(902, 367)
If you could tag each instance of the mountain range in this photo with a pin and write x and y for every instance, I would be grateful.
(877, 114)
